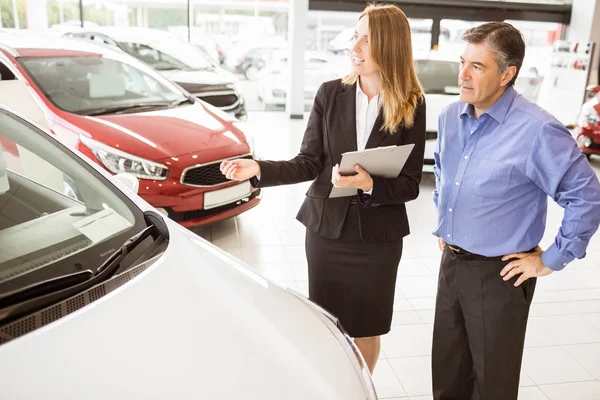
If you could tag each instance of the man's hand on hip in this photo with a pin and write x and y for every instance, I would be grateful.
(441, 243)
(528, 265)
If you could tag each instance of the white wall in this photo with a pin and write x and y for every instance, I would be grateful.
(585, 26)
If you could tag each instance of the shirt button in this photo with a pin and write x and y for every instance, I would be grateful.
(466, 157)
(450, 209)
(456, 183)
(473, 131)
(448, 235)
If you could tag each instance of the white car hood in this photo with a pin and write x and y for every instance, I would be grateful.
(196, 325)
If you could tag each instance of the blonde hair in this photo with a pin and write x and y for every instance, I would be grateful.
(390, 46)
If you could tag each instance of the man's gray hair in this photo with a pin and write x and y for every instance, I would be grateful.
(502, 39)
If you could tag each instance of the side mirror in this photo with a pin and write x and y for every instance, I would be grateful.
(130, 181)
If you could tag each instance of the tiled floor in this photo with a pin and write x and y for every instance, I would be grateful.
(562, 350)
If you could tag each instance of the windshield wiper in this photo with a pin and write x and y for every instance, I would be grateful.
(122, 109)
(44, 287)
(179, 102)
(112, 264)
(157, 227)
(19, 303)
(140, 106)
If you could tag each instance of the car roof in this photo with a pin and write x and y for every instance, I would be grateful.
(144, 36)
(32, 46)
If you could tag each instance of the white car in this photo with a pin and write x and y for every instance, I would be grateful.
(439, 79)
(103, 298)
(273, 80)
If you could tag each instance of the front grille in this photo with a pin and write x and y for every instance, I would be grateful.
(220, 100)
(207, 175)
(194, 214)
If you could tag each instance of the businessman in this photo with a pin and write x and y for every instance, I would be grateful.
(498, 158)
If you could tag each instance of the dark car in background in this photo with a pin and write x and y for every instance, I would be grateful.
(179, 61)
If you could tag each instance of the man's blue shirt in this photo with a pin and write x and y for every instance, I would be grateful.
(494, 175)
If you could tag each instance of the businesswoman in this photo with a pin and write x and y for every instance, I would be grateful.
(354, 244)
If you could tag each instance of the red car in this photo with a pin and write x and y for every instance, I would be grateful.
(128, 118)
(587, 131)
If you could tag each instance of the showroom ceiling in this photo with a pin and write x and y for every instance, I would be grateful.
(474, 10)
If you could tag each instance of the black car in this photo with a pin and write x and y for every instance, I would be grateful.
(178, 60)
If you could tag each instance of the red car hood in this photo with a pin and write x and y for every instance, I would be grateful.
(156, 135)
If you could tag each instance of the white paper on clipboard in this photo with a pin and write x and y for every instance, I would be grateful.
(384, 162)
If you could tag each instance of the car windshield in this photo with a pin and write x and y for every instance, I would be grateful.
(173, 54)
(57, 214)
(83, 84)
(438, 77)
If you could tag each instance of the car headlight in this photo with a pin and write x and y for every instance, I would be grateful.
(117, 161)
(588, 114)
(347, 344)
(585, 141)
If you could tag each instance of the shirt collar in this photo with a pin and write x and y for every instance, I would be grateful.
(358, 89)
(498, 110)
(359, 92)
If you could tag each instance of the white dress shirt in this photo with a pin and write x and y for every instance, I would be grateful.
(366, 114)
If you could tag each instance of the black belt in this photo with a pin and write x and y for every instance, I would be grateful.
(462, 253)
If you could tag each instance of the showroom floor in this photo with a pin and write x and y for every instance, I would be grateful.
(562, 349)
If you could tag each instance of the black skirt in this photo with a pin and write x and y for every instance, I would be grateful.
(352, 279)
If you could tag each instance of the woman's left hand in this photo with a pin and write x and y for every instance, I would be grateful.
(362, 180)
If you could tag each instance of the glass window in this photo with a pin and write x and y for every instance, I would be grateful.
(420, 33)
(438, 77)
(5, 73)
(152, 57)
(451, 44)
(57, 215)
(84, 85)
(170, 54)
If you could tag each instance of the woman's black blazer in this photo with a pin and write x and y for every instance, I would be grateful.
(331, 131)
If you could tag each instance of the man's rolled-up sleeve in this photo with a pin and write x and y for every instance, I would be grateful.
(559, 168)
